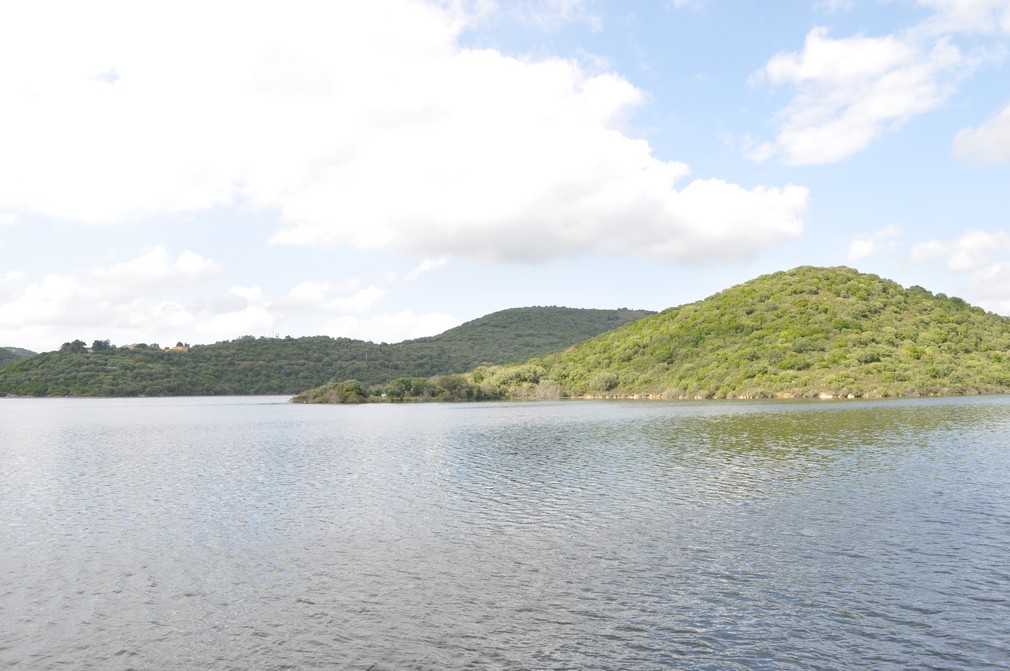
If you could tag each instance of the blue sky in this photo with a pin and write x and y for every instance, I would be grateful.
(198, 172)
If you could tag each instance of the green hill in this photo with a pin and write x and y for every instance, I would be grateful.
(287, 365)
(508, 336)
(809, 332)
(11, 354)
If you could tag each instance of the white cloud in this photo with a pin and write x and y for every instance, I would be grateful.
(833, 6)
(153, 270)
(309, 295)
(363, 124)
(251, 313)
(711, 219)
(989, 143)
(11, 284)
(7, 219)
(973, 251)
(989, 287)
(425, 266)
(94, 296)
(391, 328)
(852, 90)
(574, 199)
(137, 300)
(121, 303)
(43, 314)
(878, 242)
(552, 14)
(861, 249)
(315, 296)
(973, 16)
(983, 256)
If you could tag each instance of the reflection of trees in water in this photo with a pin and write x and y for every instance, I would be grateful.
(552, 455)
(754, 445)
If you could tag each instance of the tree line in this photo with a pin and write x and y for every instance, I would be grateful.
(250, 365)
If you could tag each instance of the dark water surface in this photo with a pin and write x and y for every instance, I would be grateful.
(254, 534)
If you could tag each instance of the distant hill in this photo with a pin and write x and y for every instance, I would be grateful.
(11, 354)
(288, 365)
(809, 332)
(509, 335)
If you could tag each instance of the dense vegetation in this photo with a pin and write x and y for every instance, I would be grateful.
(288, 365)
(808, 332)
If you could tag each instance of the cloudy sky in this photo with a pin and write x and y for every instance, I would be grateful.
(199, 171)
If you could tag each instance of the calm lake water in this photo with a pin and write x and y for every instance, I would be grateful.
(249, 533)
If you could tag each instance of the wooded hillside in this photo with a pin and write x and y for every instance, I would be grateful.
(288, 365)
(10, 354)
(809, 332)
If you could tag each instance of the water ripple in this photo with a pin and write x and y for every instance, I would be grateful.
(253, 534)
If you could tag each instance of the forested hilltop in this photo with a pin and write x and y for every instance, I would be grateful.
(809, 332)
(288, 365)
(9, 354)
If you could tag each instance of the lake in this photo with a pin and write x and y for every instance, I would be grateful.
(251, 533)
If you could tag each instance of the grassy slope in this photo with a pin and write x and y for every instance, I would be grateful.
(288, 365)
(806, 332)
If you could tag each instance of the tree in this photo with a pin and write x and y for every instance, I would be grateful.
(75, 347)
(101, 346)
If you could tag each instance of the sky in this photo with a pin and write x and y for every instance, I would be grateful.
(200, 171)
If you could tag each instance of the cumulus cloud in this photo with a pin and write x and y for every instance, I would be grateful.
(714, 219)
(878, 242)
(989, 143)
(980, 254)
(137, 300)
(972, 251)
(153, 269)
(348, 308)
(107, 301)
(852, 90)
(989, 287)
(362, 124)
(250, 312)
(315, 296)
(973, 16)
(91, 297)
